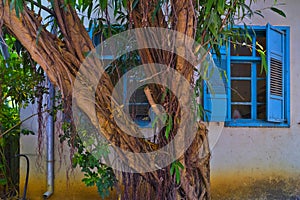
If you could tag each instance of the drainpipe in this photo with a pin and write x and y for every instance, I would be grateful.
(4, 49)
(50, 142)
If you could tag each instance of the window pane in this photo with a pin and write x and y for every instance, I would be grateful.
(261, 91)
(240, 91)
(241, 112)
(139, 106)
(240, 69)
(139, 112)
(261, 112)
(261, 73)
(138, 96)
(241, 48)
(260, 41)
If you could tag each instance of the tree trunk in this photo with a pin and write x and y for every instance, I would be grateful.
(61, 60)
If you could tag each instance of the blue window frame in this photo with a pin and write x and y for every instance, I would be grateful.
(255, 97)
(139, 107)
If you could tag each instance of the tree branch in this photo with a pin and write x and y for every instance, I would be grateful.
(19, 123)
(43, 7)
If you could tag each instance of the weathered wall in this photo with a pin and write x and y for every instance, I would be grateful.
(263, 163)
(67, 183)
(247, 163)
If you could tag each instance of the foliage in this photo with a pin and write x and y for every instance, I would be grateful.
(95, 173)
(19, 84)
(175, 169)
(18, 88)
(212, 24)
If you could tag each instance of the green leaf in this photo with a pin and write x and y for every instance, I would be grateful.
(177, 175)
(259, 13)
(154, 121)
(263, 60)
(124, 3)
(175, 167)
(103, 4)
(278, 11)
(134, 4)
(169, 126)
(18, 7)
(3, 181)
(172, 170)
(27, 132)
(12, 5)
(179, 164)
(89, 12)
(220, 6)
(208, 6)
(260, 46)
(158, 6)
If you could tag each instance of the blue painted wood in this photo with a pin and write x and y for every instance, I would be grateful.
(241, 78)
(255, 123)
(242, 103)
(245, 58)
(214, 95)
(287, 74)
(228, 69)
(285, 100)
(275, 90)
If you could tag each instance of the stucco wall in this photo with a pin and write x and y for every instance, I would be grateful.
(250, 163)
(67, 182)
(247, 163)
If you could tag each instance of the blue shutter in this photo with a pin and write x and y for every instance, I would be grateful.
(95, 37)
(214, 90)
(275, 76)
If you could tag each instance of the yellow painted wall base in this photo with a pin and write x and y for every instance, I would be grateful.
(279, 185)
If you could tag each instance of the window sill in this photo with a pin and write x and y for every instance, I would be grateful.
(143, 123)
(256, 123)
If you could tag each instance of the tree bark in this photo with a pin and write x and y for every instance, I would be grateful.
(61, 60)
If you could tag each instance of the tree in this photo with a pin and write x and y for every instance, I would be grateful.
(19, 87)
(60, 55)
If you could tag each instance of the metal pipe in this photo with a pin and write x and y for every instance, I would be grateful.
(27, 175)
(3, 48)
(50, 142)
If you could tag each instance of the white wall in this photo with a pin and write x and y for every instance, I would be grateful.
(243, 155)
